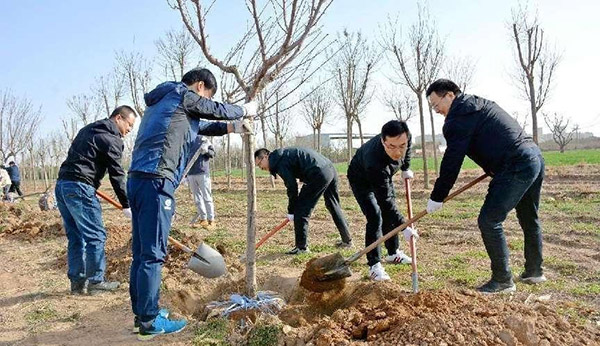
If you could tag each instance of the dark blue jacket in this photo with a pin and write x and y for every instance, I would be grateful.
(97, 148)
(202, 165)
(170, 125)
(372, 170)
(296, 163)
(481, 130)
(13, 173)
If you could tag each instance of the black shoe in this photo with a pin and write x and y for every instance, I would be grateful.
(104, 286)
(344, 245)
(297, 251)
(79, 288)
(532, 278)
(494, 286)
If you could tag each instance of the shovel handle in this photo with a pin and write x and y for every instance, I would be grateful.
(119, 206)
(271, 232)
(412, 220)
(413, 250)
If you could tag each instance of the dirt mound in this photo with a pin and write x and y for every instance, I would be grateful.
(443, 318)
(26, 223)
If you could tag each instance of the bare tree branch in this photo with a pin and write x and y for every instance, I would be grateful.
(558, 125)
(19, 120)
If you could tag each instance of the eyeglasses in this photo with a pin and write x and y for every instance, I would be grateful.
(260, 161)
(434, 106)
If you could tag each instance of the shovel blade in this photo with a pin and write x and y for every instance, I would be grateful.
(325, 273)
(207, 262)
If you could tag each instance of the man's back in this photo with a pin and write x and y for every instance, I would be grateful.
(299, 163)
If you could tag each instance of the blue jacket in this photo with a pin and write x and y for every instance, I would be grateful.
(202, 165)
(480, 129)
(13, 173)
(170, 125)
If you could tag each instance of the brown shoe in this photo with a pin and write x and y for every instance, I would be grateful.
(211, 224)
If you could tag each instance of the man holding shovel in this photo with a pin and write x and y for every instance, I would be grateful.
(370, 175)
(170, 124)
(97, 148)
(320, 178)
(480, 129)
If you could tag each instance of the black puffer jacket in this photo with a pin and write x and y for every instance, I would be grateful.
(371, 170)
(97, 148)
(481, 130)
(296, 163)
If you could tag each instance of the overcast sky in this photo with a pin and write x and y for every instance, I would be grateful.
(51, 50)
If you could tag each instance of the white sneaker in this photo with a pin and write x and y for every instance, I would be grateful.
(377, 273)
(398, 258)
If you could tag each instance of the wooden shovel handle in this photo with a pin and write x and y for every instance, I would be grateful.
(412, 220)
(413, 246)
(119, 206)
(271, 232)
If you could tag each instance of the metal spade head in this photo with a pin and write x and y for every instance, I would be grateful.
(207, 262)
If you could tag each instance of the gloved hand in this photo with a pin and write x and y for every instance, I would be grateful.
(407, 174)
(242, 126)
(290, 217)
(250, 109)
(410, 232)
(204, 146)
(433, 206)
(127, 212)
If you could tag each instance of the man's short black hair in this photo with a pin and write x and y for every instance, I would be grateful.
(394, 128)
(201, 75)
(443, 86)
(260, 153)
(12, 163)
(124, 111)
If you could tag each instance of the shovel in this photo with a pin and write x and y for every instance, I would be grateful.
(413, 246)
(336, 267)
(271, 232)
(205, 261)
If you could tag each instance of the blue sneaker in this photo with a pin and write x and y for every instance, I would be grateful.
(136, 320)
(160, 325)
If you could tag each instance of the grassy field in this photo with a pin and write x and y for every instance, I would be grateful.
(553, 158)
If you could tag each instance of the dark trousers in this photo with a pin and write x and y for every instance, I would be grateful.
(326, 185)
(379, 223)
(517, 186)
(152, 205)
(15, 186)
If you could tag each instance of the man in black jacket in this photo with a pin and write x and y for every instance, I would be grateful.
(480, 129)
(320, 179)
(370, 175)
(96, 149)
(15, 177)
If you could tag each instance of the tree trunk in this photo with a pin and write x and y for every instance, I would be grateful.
(349, 136)
(360, 132)
(251, 217)
(315, 138)
(33, 171)
(319, 140)
(435, 159)
(228, 162)
(533, 110)
(424, 151)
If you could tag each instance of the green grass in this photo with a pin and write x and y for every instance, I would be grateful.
(213, 332)
(41, 314)
(264, 335)
(552, 158)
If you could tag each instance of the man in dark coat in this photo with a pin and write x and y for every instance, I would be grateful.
(15, 177)
(480, 129)
(320, 178)
(370, 175)
(97, 148)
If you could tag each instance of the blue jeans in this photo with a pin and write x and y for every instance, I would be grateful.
(82, 219)
(516, 186)
(152, 205)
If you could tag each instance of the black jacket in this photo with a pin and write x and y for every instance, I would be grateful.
(296, 163)
(481, 130)
(371, 170)
(98, 147)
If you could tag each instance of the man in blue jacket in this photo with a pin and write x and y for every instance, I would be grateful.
(97, 148)
(161, 152)
(200, 183)
(480, 129)
(15, 177)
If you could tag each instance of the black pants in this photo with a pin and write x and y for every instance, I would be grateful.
(16, 187)
(380, 221)
(326, 185)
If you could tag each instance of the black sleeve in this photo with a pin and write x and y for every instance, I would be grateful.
(116, 173)
(406, 161)
(200, 107)
(212, 128)
(458, 137)
(291, 185)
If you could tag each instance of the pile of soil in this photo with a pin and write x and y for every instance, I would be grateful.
(26, 223)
